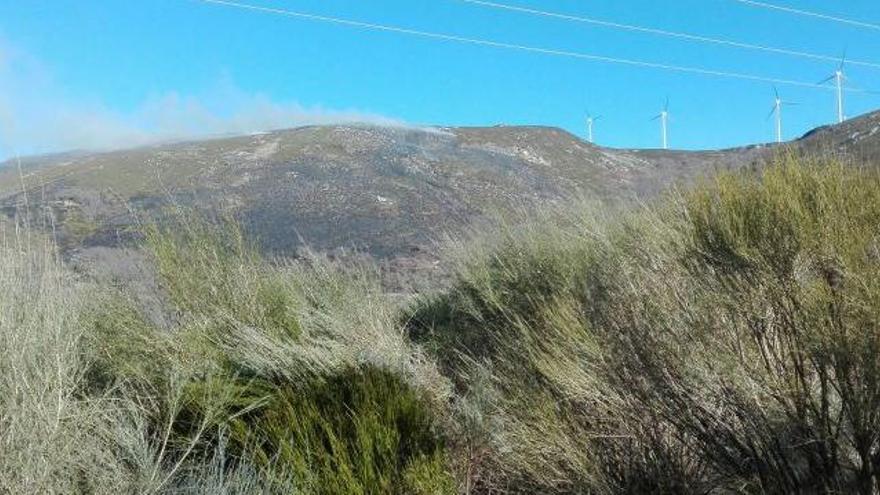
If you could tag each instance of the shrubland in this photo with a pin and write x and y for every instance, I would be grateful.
(723, 339)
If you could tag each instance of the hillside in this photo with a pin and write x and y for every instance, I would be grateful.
(388, 192)
(721, 340)
(858, 139)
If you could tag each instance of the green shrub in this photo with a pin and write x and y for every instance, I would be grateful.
(295, 373)
(780, 378)
(121, 346)
(725, 339)
(359, 431)
(210, 271)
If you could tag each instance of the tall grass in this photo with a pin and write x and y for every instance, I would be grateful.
(722, 340)
(41, 423)
(299, 370)
(61, 432)
(271, 378)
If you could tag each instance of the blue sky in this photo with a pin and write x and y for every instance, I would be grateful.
(105, 73)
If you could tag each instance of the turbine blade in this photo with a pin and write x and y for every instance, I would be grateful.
(772, 112)
(776, 91)
(827, 79)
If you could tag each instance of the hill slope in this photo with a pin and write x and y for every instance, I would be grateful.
(384, 191)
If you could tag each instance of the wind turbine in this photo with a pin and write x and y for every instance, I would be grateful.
(663, 116)
(838, 77)
(778, 103)
(590, 121)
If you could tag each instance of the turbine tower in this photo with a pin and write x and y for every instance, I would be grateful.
(663, 116)
(776, 111)
(590, 121)
(839, 79)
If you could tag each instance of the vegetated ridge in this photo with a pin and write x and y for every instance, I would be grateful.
(386, 192)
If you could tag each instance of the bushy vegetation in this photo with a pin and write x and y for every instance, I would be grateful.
(270, 378)
(725, 340)
(722, 340)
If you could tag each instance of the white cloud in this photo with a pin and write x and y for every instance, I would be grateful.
(36, 115)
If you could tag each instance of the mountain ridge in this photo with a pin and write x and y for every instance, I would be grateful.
(386, 192)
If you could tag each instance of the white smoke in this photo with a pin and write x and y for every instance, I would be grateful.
(37, 116)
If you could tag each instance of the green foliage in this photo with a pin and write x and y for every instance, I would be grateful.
(211, 272)
(503, 286)
(428, 475)
(795, 326)
(725, 339)
(264, 364)
(122, 347)
(360, 431)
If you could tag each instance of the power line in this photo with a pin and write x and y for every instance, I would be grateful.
(662, 32)
(525, 48)
(807, 13)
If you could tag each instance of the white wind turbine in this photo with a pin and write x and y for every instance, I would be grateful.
(590, 121)
(778, 103)
(663, 116)
(839, 78)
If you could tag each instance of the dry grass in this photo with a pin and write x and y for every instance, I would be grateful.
(723, 340)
